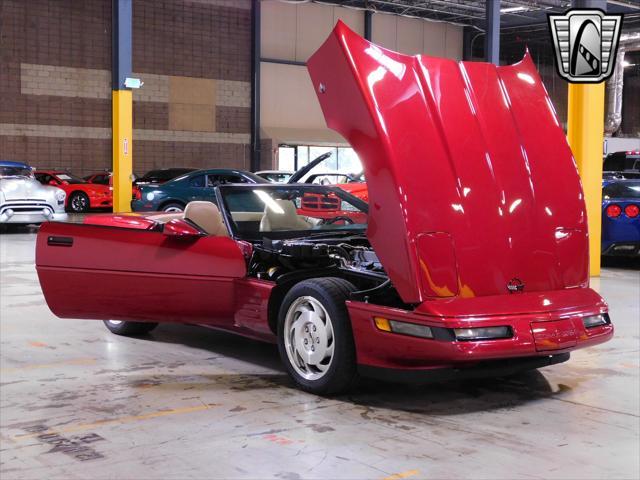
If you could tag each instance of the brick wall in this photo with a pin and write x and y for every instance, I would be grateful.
(55, 91)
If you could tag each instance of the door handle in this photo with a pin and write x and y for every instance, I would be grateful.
(60, 241)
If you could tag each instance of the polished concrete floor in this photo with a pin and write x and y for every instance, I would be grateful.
(78, 402)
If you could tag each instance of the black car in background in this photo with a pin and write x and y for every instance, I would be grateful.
(625, 163)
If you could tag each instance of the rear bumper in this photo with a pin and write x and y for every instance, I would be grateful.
(141, 206)
(556, 332)
(622, 249)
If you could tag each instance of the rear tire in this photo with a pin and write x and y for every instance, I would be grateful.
(129, 329)
(173, 207)
(315, 338)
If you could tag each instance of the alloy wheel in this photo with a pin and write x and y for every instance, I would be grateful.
(309, 338)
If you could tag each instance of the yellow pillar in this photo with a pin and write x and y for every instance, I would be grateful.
(585, 133)
(122, 101)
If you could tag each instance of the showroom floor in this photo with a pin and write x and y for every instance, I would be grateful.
(186, 402)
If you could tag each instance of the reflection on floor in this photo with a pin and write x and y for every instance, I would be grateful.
(186, 402)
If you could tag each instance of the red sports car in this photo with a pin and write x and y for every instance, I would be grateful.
(471, 258)
(81, 195)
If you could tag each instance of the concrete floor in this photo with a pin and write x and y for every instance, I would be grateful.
(186, 402)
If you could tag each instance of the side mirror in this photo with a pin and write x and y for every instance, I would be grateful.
(53, 182)
(178, 228)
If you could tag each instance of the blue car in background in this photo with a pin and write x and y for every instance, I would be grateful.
(620, 216)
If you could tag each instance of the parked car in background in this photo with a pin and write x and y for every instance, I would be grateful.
(24, 200)
(275, 176)
(621, 217)
(161, 175)
(173, 196)
(626, 163)
(100, 178)
(81, 195)
(354, 183)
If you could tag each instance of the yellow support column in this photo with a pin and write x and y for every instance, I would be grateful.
(122, 149)
(585, 133)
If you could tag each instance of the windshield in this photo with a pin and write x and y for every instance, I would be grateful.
(276, 177)
(6, 172)
(67, 177)
(621, 190)
(255, 212)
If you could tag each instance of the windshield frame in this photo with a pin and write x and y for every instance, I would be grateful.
(284, 234)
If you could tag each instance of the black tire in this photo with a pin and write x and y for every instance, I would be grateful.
(173, 207)
(129, 329)
(331, 293)
(78, 202)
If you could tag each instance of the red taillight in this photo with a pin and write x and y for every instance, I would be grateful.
(631, 211)
(139, 195)
(613, 211)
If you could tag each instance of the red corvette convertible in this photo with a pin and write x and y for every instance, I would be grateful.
(470, 259)
(81, 195)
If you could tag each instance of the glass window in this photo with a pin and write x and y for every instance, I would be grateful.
(259, 211)
(621, 190)
(197, 181)
(287, 158)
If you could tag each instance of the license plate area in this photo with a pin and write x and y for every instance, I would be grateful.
(554, 335)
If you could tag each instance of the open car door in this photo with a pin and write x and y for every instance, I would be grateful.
(114, 273)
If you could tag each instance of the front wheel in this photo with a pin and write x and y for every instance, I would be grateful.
(78, 202)
(129, 329)
(315, 338)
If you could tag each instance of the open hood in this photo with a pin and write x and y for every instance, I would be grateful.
(473, 189)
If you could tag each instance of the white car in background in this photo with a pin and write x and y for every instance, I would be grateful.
(24, 200)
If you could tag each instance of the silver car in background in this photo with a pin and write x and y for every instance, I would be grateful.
(25, 200)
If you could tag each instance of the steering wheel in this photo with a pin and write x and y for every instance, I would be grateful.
(344, 218)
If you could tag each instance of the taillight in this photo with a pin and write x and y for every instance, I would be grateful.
(139, 195)
(613, 211)
(631, 211)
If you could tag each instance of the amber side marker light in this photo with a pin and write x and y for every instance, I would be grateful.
(403, 328)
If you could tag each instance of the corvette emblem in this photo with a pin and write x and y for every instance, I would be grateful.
(515, 285)
(585, 43)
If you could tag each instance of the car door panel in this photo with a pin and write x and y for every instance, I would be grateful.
(91, 271)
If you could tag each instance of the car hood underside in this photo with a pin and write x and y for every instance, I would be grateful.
(473, 189)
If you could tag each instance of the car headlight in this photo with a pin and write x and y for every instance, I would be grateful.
(150, 196)
(595, 320)
(60, 195)
(482, 333)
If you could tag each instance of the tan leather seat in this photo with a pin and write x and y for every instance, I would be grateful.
(282, 217)
(206, 216)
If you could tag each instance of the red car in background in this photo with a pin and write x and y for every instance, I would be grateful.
(81, 195)
(100, 178)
